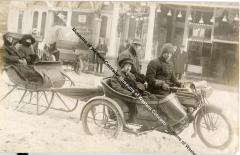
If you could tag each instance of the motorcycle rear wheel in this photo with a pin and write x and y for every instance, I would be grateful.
(209, 121)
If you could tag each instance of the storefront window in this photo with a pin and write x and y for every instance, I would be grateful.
(161, 29)
(169, 27)
(200, 27)
(227, 25)
(103, 30)
(133, 23)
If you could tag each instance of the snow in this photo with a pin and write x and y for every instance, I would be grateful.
(23, 131)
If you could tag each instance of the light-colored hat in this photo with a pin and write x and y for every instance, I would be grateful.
(137, 41)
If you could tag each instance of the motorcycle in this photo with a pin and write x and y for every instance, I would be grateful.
(110, 114)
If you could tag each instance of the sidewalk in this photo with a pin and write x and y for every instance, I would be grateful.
(215, 83)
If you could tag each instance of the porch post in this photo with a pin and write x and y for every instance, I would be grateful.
(148, 51)
(12, 23)
(186, 28)
(112, 52)
(27, 21)
(69, 18)
(96, 30)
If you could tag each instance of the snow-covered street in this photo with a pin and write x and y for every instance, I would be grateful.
(24, 131)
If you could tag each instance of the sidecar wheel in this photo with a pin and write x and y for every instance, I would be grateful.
(214, 129)
(100, 117)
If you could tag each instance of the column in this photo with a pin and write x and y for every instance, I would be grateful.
(12, 23)
(27, 21)
(126, 27)
(186, 28)
(173, 35)
(112, 52)
(39, 21)
(148, 52)
(69, 18)
(96, 30)
(49, 28)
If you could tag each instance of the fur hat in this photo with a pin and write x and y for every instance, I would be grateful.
(167, 48)
(26, 37)
(124, 61)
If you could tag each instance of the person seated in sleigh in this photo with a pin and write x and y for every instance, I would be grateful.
(22, 57)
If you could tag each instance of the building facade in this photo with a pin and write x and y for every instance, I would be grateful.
(208, 31)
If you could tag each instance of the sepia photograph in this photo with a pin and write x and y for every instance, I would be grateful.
(152, 77)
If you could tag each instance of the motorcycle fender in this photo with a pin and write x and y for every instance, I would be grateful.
(114, 103)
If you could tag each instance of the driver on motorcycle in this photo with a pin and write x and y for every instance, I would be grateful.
(160, 72)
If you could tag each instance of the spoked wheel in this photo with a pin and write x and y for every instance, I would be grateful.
(214, 129)
(100, 117)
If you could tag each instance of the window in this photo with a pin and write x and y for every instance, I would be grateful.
(43, 23)
(20, 21)
(59, 18)
(103, 29)
(35, 19)
(226, 26)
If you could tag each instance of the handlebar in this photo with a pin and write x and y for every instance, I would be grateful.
(177, 88)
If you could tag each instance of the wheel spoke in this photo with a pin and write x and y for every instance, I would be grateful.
(204, 125)
(211, 132)
(102, 120)
(215, 123)
(206, 122)
(104, 113)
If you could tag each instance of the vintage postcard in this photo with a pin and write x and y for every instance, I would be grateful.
(158, 77)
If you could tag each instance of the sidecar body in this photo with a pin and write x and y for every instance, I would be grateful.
(142, 112)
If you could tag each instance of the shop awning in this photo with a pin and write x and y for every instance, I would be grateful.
(225, 41)
(200, 40)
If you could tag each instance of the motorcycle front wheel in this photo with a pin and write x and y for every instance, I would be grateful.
(213, 128)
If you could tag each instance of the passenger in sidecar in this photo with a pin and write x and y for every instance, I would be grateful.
(138, 112)
(124, 72)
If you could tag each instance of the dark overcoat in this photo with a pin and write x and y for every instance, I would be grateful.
(179, 61)
(158, 70)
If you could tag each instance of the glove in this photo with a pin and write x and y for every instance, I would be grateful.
(140, 78)
(145, 93)
(140, 86)
(158, 82)
(23, 61)
(165, 86)
(180, 84)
